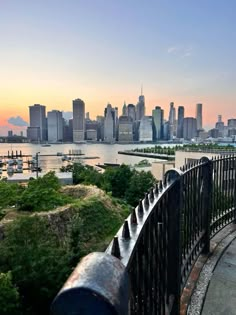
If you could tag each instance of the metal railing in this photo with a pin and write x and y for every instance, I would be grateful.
(146, 266)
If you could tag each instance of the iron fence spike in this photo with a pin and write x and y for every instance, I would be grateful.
(125, 232)
(115, 250)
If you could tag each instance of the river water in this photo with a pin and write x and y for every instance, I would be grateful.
(106, 153)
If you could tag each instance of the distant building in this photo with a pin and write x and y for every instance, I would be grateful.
(55, 126)
(180, 122)
(231, 132)
(172, 121)
(37, 130)
(114, 114)
(100, 130)
(199, 116)
(33, 133)
(125, 129)
(166, 130)
(91, 128)
(87, 116)
(109, 124)
(220, 126)
(91, 135)
(189, 128)
(159, 168)
(10, 133)
(145, 129)
(67, 130)
(157, 116)
(131, 111)
(78, 120)
(232, 123)
(140, 107)
(136, 126)
(124, 110)
(214, 133)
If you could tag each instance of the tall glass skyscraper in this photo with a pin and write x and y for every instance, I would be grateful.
(78, 120)
(172, 121)
(157, 116)
(55, 126)
(180, 124)
(37, 131)
(199, 116)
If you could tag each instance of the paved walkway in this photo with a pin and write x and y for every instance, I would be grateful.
(221, 294)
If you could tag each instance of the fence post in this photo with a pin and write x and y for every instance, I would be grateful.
(207, 169)
(174, 176)
(98, 285)
(234, 177)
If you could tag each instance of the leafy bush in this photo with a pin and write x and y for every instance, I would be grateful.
(85, 174)
(42, 194)
(139, 183)
(9, 194)
(94, 225)
(38, 262)
(9, 296)
(116, 180)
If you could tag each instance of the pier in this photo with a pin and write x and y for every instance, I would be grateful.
(149, 155)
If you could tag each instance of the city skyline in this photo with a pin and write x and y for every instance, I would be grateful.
(102, 52)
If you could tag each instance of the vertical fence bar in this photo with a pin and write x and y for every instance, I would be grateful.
(174, 242)
(234, 178)
(207, 202)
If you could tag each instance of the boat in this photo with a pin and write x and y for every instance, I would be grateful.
(45, 145)
(37, 169)
(106, 165)
(10, 169)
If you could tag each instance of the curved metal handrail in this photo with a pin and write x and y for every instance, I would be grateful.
(155, 249)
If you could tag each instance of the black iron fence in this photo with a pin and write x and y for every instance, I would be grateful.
(146, 266)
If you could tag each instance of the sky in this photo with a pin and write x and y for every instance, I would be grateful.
(53, 51)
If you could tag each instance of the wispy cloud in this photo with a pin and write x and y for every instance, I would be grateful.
(17, 121)
(188, 52)
(180, 51)
(173, 49)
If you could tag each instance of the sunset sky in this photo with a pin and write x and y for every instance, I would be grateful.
(53, 51)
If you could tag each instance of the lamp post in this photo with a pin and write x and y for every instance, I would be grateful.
(37, 164)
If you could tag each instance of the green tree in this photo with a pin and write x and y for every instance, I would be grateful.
(139, 183)
(9, 296)
(116, 180)
(9, 194)
(86, 174)
(39, 262)
(94, 225)
(42, 194)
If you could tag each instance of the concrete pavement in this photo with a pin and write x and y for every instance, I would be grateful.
(220, 298)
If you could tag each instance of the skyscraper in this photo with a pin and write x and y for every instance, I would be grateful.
(145, 129)
(140, 107)
(125, 129)
(78, 120)
(157, 116)
(220, 126)
(37, 131)
(199, 116)
(124, 110)
(189, 128)
(172, 121)
(109, 124)
(55, 126)
(131, 111)
(180, 123)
